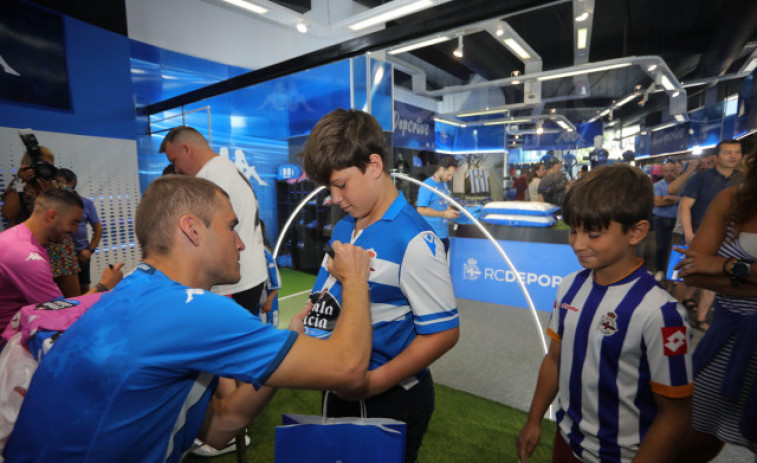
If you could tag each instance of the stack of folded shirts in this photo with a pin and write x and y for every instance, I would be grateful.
(520, 213)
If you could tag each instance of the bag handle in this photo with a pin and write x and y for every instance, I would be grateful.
(363, 409)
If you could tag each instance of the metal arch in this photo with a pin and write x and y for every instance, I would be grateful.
(540, 329)
(494, 242)
(282, 233)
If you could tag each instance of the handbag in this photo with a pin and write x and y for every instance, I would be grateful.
(316, 439)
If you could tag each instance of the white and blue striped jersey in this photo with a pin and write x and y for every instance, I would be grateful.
(131, 379)
(620, 344)
(410, 285)
(479, 180)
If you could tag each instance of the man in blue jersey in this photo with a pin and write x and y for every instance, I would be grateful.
(132, 379)
(435, 209)
(413, 308)
(620, 360)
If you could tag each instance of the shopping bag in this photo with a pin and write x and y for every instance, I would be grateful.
(675, 258)
(316, 439)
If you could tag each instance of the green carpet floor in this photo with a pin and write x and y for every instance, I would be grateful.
(463, 429)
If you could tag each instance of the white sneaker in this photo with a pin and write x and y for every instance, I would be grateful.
(659, 276)
(204, 450)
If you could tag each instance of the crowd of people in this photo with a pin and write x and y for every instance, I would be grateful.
(162, 358)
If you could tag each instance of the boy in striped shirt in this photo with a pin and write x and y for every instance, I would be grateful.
(620, 358)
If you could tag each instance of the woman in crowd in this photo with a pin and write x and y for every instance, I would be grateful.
(722, 258)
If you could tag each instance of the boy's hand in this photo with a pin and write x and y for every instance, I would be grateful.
(528, 438)
(349, 262)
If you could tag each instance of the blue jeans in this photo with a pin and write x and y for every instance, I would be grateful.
(663, 231)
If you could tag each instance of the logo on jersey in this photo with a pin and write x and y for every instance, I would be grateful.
(674, 340)
(372, 255)
(607, 324)
(428, 237)
(56, 305)
(470, 270)
(324, 313)
(191, 292)
(34, 256)
(565, 306)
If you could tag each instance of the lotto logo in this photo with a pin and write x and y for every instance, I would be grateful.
(674, 340)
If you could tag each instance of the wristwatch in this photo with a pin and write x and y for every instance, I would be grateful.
(740, 270)
(91, 250)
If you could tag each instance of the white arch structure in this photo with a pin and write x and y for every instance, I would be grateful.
(462, 210)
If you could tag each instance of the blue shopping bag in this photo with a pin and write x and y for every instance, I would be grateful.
(314, 439)
(675, 258)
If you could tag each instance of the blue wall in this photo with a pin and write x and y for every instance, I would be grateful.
(101, 90)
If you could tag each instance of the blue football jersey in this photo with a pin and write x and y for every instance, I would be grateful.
(131, 379)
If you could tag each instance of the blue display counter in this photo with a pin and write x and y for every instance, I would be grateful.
(541, 256)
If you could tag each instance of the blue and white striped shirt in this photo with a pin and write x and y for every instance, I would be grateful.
(410, 285)
(620, 345)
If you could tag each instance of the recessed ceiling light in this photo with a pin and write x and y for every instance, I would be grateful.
(302, 28)
(582, 17)
(652, 67)
(583, 34)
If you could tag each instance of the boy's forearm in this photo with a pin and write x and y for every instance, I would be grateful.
(663, 440)
(546, 385)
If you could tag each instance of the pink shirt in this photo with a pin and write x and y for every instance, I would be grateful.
(25, 274)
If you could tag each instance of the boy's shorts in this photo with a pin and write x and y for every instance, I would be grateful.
(561, 451)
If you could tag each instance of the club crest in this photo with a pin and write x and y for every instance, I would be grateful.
(607, 324)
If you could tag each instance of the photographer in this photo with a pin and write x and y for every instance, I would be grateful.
(36, 174)
(18, 199)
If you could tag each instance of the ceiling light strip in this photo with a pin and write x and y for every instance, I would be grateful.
(248, 6)
(392, 14)
(588, 70)
(415, 46)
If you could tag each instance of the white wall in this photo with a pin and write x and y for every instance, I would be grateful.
(218, 32)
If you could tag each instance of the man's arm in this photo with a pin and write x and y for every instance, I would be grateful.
(662, 441)
(545, 393)
(231, 410)
(419, 354)
(341, 360)
(684, 214)
(448, 213)
(676, 186)
(97, 233)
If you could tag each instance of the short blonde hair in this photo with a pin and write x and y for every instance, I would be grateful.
(164, 201)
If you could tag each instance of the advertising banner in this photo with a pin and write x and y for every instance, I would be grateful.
(32, 56)
(413, 127)
(479, 273)
(583, 137)
(669, 140)
(705, 124)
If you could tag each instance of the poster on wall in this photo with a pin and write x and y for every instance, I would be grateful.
(32, 56)
(413, 127)
(670, 140)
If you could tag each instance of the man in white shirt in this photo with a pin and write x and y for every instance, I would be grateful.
(188, 150)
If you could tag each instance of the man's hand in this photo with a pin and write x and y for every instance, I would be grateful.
(112, 275)
(84, 256)
(26, 174)
(451, 214)
(528, 438)
(349, 262)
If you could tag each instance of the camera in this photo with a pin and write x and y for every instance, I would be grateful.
(42, 169)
